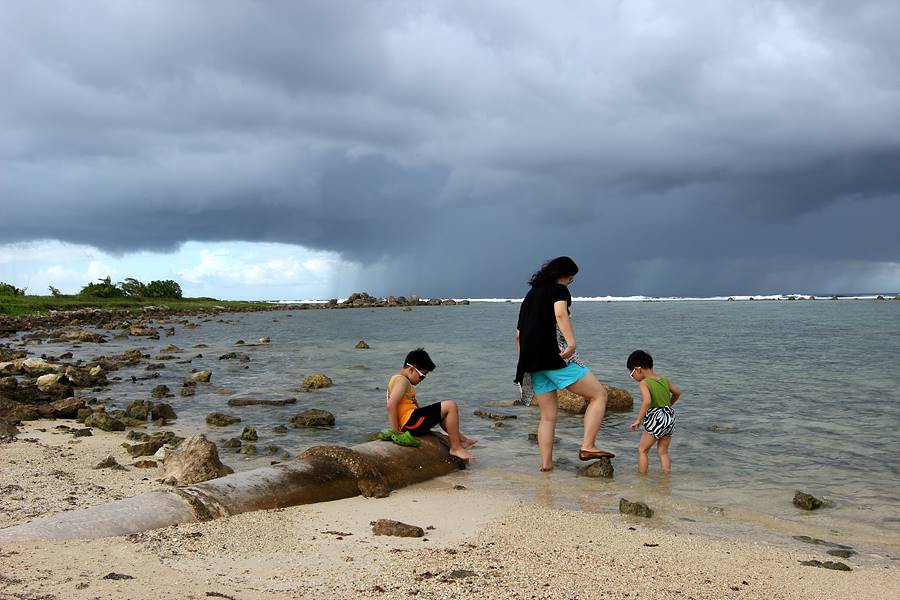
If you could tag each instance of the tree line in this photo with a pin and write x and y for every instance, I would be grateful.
(105, 288)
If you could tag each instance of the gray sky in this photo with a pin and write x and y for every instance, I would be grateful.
(448, 148)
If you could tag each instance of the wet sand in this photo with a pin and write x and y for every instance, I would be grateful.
(482, 545)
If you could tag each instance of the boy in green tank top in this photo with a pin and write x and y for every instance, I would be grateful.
(658, 394)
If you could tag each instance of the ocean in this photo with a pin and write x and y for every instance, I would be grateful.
(777, 397)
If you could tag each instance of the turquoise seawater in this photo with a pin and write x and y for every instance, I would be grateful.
(778, 396)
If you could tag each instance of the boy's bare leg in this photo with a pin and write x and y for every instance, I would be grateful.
(450, 423)
(547, 427)
(590, 388)
(644, 446)
(663, 449)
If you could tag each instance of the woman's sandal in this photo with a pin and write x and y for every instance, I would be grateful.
(543, 470)
(593, 454)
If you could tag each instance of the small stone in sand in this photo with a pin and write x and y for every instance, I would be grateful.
(638, 509)
(396, 528)
(109, 463)
(806, 501)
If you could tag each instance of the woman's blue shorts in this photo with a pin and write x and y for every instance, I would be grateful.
(557, 379)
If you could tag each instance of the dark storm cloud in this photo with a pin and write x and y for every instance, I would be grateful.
(672, 149)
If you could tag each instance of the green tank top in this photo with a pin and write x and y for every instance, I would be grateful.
(660, 395)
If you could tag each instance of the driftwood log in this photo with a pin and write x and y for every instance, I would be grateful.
(318, 475)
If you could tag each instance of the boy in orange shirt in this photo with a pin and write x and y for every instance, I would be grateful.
(405, 414)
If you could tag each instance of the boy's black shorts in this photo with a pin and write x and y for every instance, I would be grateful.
(423, 419)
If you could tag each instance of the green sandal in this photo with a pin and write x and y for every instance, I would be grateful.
(406, 439)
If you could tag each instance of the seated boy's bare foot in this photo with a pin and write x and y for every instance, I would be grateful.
(460, 453)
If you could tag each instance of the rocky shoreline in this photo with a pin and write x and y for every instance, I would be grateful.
(112, 319)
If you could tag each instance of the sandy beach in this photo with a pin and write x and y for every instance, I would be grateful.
(477, 544)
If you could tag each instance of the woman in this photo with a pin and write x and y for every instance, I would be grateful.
(544, 310)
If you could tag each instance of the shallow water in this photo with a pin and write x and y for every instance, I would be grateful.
(805, 395)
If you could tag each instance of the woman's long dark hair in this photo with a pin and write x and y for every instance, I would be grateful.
(550, 271)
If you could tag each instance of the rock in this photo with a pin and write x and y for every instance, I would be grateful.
(317, 381)
(834, 566)
(493, 414)
(140, 330)
(162, 410)
(195, 460)
(8, 430)
(263, 340)
(161, 391)
(841, 553)
(617, 399)
(87, 377)
(200, 376)
(240, 343)
(144, 464)
(101, 420)
(638, 509)
(235, 356)
(109, 463)
(146, 448)
(81, 432)
(139, 409)
(232, 443)
(396, 528)
(255, 402)
(188, 388)
(248, 450)
(221, 420)
(164, 357)
(84, 336)
(279, 429)
(313, 417)
(249, 434)
(361, 345)
(36, 367)
(199, 346)
(9, 368)
(601, 468)
(499, 425)
(67, 408)
(172, 348)
(407, 309)
(55, 385)
(806, 501)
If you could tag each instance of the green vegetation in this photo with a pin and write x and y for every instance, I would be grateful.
(33, 305)
(130, 295)
(134, 288)
(163, 289)
(105, 289)
(7, 289)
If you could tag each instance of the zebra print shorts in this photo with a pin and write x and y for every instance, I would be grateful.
(660, 422)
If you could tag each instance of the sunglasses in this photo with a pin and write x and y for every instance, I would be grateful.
(421, 374)
(632, 372)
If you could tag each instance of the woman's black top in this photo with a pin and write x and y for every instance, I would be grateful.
(538, 350)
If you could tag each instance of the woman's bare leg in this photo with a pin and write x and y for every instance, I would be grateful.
(593, 390)
(547, 427)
